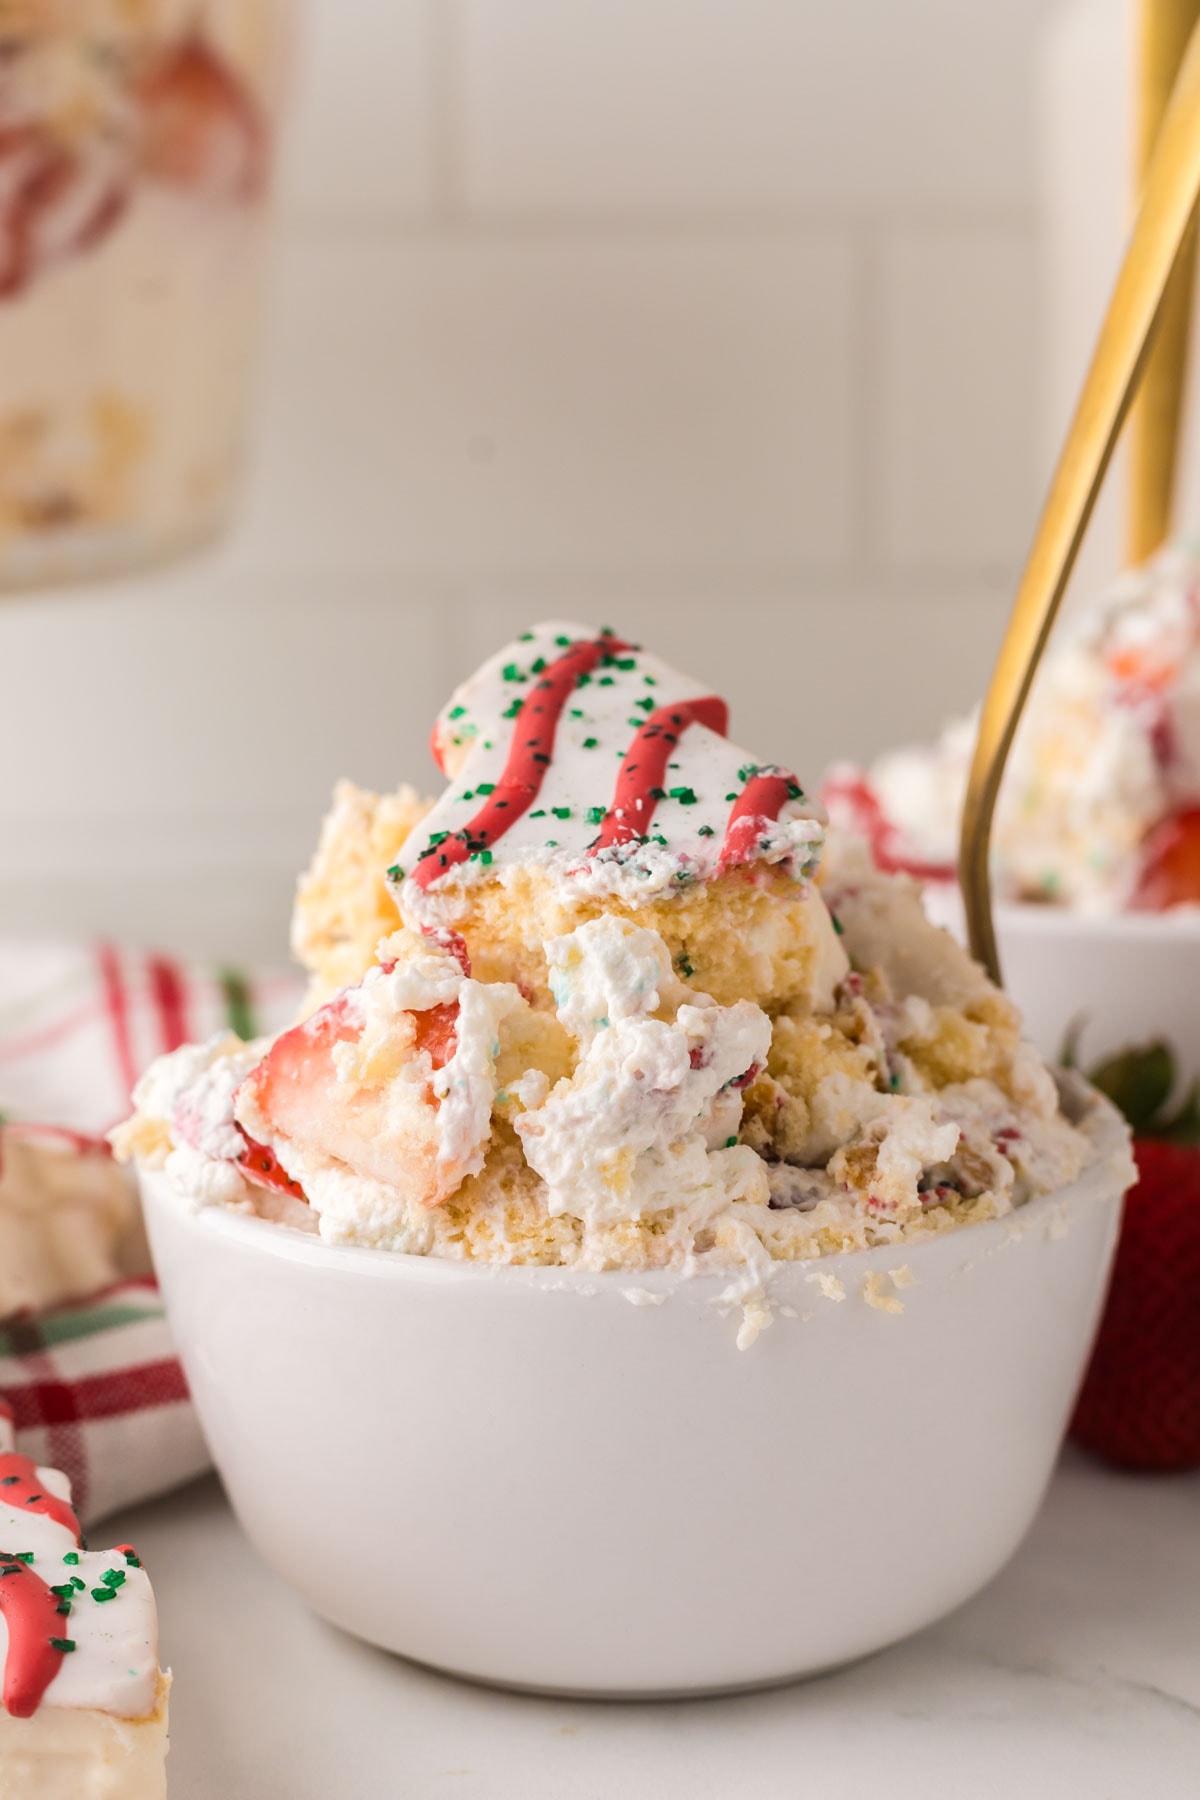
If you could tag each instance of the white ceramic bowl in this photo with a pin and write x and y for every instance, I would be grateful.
(526, 1477)
(1128, 978)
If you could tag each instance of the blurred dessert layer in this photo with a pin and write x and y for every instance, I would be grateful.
(612, 1018)
(83, 1706)
(134, 150)
(1100, 809)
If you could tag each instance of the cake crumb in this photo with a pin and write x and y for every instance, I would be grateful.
(874, 1295)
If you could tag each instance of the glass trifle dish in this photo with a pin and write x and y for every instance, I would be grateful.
(136, 142)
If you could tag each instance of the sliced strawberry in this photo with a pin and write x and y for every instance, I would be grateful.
(260, 1165)
(203, 128)
(437, 1032)
(1170, 873)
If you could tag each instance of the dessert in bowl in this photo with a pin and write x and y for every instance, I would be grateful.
(644, 1170)
(1096, 855)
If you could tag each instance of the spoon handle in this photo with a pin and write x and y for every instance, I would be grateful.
(1168, 203)
(1164, 28)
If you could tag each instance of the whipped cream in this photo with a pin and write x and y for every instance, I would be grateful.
(649, 1120)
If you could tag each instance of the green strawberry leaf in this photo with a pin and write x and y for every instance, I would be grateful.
(1183, 1127)
(1139, 1083)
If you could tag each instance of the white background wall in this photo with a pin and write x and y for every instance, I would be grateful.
(712, 319)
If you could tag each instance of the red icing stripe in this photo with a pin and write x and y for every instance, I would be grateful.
(529, 756)
(645, 766)
(33, 1619)
(22, 1489)
(759, 804)
(117, 1002)
(170, 1000)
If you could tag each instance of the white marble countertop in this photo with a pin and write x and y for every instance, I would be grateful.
(1075, 1676)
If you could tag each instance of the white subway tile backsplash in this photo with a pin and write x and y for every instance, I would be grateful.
(362, 124)
(464, 406)
(210, 693)
(956, 358)
(707, 104)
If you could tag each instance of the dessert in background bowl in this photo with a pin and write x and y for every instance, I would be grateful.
(135, 150)
(611, 1070)
(1097, 862)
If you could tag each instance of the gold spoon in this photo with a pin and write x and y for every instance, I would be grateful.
(1167, 207)
(1164, 28)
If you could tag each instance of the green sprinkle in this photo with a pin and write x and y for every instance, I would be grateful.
(561, 812)
(113, 1577)
(436, 838)
(685, 966)
(705, 831)
(512, 673)
(655, 839)
(72, 1556)
(626, 662)
(730, 1142)
(78, 1585)
(134, 1561)
(510, 712)
(25, 1556)
(101, 1594)
(590, 743)
(894, 1082)
(795, 791)
(526, 637)
(582, 680)
(731, 796)
(595, 815)
(685, 795)
(837, 925)
(239, 1004)
(606, 681)
(63, 1644)
(658, 793)
(456, 712)
(552, 843)
(539, 814)
(486, 787)
(65, 1592)
(481, 856)
(575, 712)
(646, 704)
(564, 643)
(650, 680)
(469, 795)
(395, 873)
(63, 1609)
(538, 665)
(747, 770)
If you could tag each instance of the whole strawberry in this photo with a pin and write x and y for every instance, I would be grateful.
(1139, 1406)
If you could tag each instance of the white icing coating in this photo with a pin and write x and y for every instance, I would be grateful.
(114, 1665)
(596, 729)
(645, 1122)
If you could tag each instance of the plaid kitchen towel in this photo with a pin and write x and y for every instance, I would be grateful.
(97, 1391)
(95, 1386)
(79, 1023)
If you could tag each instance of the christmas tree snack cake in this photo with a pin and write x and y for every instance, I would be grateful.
(612, 1001)
(83, 1709)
